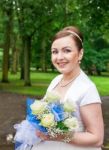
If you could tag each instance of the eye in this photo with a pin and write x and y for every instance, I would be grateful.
(54, 51)
(67, 50)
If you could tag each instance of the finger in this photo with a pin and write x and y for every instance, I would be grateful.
(38, 133)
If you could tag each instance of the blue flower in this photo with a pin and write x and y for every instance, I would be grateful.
(29, 101)
(57, 110)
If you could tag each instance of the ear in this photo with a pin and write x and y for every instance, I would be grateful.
(81, 53)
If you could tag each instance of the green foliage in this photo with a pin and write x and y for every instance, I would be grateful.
(40, 20)
(61, 126)
(1, 55)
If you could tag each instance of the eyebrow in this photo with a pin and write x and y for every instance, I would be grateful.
(62, 48)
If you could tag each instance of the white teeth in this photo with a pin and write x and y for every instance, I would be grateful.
(61, 64)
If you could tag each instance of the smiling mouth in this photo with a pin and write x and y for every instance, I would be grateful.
(61, 64)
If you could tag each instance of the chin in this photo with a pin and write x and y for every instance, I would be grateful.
(63, 71)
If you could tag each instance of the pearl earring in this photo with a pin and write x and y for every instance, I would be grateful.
(79, 61)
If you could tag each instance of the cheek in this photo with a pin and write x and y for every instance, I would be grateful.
(73, 58)
(53, 59)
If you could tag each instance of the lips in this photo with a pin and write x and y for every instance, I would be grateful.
(61, 64)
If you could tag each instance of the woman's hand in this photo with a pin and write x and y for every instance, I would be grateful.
(45, 137)
(42, 136)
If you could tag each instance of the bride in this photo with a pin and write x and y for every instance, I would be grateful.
(74, 84)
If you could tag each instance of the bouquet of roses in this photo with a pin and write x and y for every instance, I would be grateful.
(48, 115)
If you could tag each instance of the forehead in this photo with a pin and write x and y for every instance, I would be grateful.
(63, 42)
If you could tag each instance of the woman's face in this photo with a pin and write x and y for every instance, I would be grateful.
(65, 55)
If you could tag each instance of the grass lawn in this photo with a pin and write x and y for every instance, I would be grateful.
(40, 82)
(102, 84)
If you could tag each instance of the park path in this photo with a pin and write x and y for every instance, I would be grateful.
(13, 110)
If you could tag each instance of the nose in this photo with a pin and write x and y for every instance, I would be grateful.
(60, 56)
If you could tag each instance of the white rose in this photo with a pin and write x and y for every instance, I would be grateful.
(38, 107)
(48, 120)
(69, 106)
(71, 123)
(52, 97)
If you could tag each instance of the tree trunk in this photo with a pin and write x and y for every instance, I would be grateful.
(27, 56)
(22, 58)
(98, 72)
(15, 57)
(5, 67)
(43, 55)
(90, 72)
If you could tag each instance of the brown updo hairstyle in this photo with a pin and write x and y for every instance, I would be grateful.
(73, 32)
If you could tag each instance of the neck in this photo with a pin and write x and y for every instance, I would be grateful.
(69, 76)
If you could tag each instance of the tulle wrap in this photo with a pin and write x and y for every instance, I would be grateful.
(25, 136)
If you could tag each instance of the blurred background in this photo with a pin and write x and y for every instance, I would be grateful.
(26, 31)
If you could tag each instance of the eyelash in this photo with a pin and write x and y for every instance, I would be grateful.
(65, 51)
(54, 52)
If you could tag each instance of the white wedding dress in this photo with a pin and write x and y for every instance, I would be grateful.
(52, 145)
(83, 92)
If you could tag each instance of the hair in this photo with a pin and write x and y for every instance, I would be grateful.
(73, 32)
